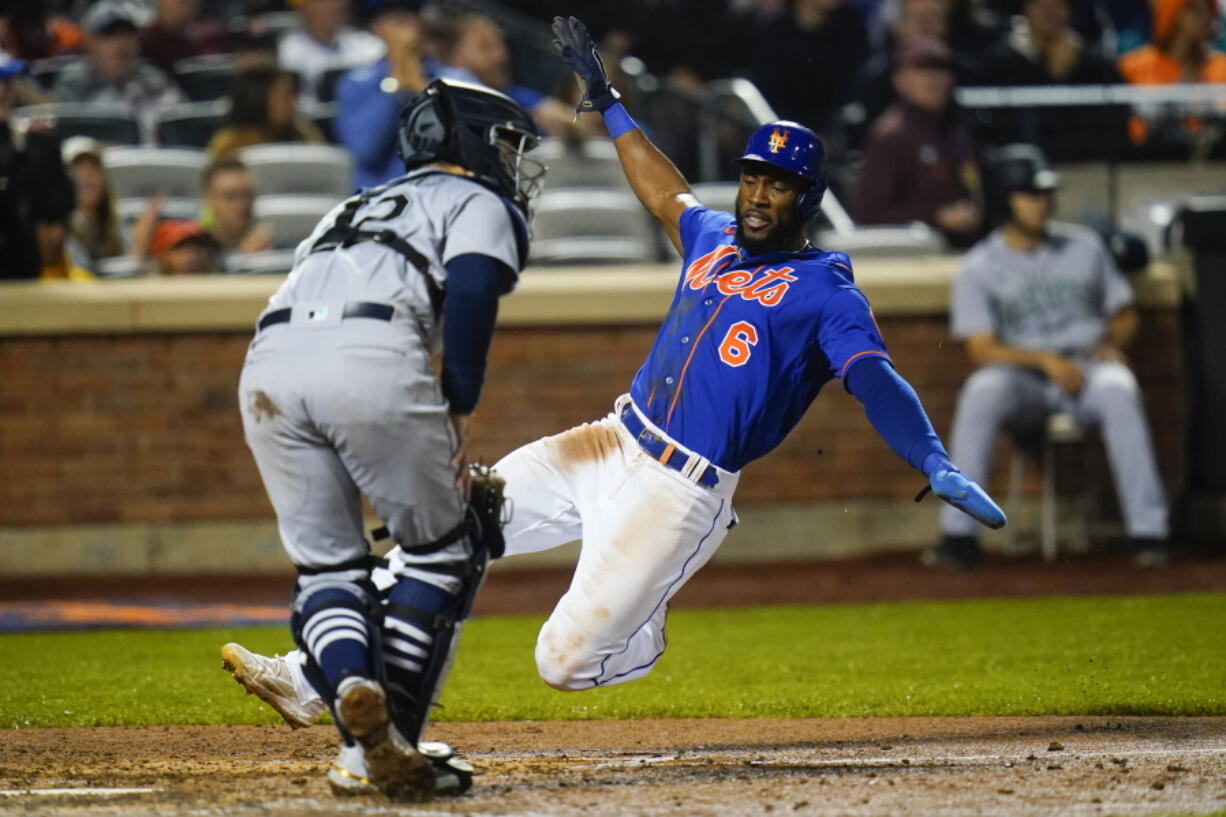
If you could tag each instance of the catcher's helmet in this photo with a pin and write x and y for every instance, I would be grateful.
(477, 128)
(1017, 168)
(792, 147)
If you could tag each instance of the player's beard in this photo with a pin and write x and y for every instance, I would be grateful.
(785, 235)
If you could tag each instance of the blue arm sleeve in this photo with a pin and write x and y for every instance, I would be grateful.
(473, 284)
(894, 410)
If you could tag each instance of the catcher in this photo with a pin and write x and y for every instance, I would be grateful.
(338, 400)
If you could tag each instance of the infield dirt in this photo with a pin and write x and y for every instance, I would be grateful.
(862, 767)
(715, 768)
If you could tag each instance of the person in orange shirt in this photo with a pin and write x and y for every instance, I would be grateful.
(31, 31)
(1180, 49)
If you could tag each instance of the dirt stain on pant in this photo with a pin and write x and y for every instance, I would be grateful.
(262, 407)
(590, 442)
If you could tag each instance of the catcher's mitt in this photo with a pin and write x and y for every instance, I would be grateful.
(488, 503)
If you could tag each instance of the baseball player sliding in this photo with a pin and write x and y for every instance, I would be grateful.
(760, 321)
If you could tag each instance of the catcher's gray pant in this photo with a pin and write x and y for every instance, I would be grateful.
(999, 396)
(335, 409)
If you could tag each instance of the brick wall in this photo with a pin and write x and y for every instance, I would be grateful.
(143, 428)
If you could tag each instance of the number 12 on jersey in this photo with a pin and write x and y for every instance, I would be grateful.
(737, 345)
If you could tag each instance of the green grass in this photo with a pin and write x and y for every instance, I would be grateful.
(1137, 655)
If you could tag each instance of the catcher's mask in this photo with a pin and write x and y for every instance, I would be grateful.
(792, 147)
(478, 128)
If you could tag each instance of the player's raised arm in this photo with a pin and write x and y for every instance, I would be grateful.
(655, 180)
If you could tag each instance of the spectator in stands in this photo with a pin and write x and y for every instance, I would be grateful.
(51, 202)
(113, 70)
(1043, 49)
(919, 163)
(32, 31)
(263, 109)
(472, 46)
(228, 215)
(183, 248)
(1047, 317)
(29, 163)
(806, 62)
(324, 43)
(94, 224)
(177, 34)
(1179, 51)
(916, 20)
(1180, 48)
(369, 98)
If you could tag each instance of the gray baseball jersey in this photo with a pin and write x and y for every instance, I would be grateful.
(337, 406)
(1057, 297)
(441, 215)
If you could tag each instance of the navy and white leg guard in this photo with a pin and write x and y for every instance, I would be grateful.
(335, 624)
(424, 609)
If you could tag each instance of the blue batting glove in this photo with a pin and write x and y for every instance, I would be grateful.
(950, 485)
(574, 45)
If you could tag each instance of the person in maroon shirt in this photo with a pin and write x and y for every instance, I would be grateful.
(176, 34)
(919, 163)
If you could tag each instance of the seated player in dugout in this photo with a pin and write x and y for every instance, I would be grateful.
(1047, 317)
(760, 321)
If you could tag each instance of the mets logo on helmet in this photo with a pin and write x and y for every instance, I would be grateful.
(778, 140)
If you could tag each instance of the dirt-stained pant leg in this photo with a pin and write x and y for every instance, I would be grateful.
(318, 508)
(646, 531)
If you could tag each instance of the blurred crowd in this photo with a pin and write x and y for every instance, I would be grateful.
(876, 77)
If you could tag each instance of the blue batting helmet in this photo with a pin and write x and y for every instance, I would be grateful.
(792, 147)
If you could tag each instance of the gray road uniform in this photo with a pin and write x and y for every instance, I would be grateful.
(1057, 298)
(339, 399)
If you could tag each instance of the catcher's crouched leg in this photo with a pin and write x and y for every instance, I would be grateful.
(428, 593)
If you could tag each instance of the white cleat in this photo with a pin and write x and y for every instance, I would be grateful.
(269, 680)
(350, 776)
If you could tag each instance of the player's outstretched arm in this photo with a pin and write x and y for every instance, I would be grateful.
(653, 177)
(894, 410)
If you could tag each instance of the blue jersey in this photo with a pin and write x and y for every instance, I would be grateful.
(749, 342)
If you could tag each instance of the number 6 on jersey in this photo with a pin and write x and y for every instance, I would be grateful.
(735, 347)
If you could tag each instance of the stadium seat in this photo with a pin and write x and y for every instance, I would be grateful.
(205, 78)
(326, 91)
(323, 170)
(270, 262)
(292, 217)
(45, 72)
(275, 23)
(141, 172)
(108, 123)
(129, 210)
(1060, 430)
(717, 195)
(592, 226)
(191, 124)
(121, 266)
(911, 241)
(592, 163)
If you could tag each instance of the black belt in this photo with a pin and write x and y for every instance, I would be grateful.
(662, 451)
(353, 309)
